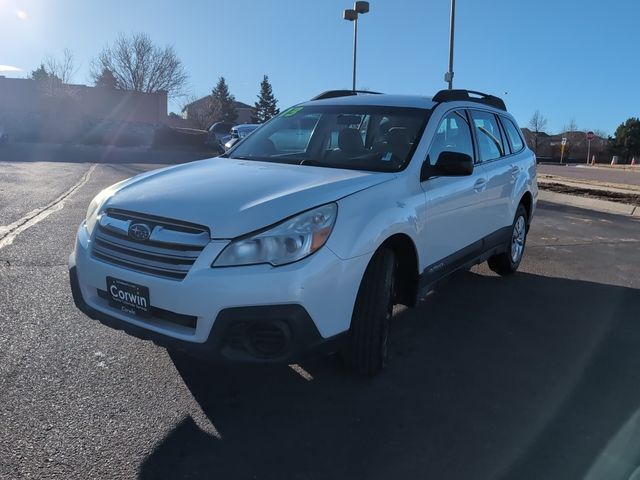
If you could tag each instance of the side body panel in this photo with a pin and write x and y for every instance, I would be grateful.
(454, 217)
(365, 220)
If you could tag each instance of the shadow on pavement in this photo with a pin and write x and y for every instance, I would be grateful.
(526, 377)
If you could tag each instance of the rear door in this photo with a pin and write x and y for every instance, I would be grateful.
(519, 160)
(494, 153)
(454, 226)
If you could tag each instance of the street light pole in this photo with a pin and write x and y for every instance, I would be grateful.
(355, 51)
(352, 15)
(448, 77)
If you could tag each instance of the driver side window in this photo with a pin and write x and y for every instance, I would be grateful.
(453, 135)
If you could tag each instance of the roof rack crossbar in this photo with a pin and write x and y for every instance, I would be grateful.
(342, 93)
(469, 96)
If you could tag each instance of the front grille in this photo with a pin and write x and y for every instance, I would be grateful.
(170, 251)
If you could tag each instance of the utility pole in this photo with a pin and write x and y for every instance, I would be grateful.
(448, 77)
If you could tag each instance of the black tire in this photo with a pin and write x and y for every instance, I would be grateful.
(366, 349)
(504, 263)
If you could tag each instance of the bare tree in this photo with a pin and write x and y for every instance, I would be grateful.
(63, 68)
(537, 125)
(203, 114)
(570, 127)
(570, 132)
(140, 65)
(600, 133)
(600, 143)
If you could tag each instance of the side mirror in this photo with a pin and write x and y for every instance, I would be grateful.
(449, 164)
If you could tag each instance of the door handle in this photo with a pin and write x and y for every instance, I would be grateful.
(480, 185)
(515, 170)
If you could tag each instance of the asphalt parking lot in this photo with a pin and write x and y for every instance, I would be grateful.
(529, 377)
(598, 174)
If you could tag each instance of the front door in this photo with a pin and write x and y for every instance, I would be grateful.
(454, 223)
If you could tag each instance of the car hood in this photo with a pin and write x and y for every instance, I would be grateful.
(234, 197)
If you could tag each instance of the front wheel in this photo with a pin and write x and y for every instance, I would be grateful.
(366, 349)
(508, 262)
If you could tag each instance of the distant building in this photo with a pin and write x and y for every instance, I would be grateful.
(199, 108)
(24, 96)
(53, 112)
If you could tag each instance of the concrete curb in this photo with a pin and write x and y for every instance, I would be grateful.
(602, 166)
(589, 203)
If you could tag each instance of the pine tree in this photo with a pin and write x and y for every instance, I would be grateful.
(106, 79)
(626, 140)
(266, 106)
(223, 103)
(48, 83)
(41, 74)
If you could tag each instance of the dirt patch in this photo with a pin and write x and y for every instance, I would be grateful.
(619, 197)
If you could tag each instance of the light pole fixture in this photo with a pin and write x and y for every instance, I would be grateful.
(352, 14)
(448, 77)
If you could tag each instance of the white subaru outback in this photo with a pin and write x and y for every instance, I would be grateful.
(304, 235)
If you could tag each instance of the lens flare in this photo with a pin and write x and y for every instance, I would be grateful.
(9, 68)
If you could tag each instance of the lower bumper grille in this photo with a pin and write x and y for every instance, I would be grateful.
(262, 338)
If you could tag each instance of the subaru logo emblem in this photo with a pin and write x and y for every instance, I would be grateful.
(139, 232)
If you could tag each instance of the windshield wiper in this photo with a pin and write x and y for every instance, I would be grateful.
(313, 163)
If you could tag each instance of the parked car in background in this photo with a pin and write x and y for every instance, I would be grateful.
(217, 133)
(239, 132)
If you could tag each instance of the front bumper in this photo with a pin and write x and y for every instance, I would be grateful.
(306, 305)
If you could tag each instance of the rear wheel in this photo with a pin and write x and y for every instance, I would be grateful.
(508, 262)
(366, 349)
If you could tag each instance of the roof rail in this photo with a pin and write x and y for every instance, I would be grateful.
(466, 95)
(342, 93)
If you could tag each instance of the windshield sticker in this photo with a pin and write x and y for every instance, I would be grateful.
(387, 157)
(291, 112)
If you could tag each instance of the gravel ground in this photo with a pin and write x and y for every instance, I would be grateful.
(613, 196)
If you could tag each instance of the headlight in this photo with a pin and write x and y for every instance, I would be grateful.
(287, 242)
(97, 203)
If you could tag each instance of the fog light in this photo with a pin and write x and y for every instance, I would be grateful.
(268, 338)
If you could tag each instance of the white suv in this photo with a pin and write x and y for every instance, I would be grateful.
(304, 235)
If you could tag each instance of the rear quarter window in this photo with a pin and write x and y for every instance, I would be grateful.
(488, 134)
(513, 134)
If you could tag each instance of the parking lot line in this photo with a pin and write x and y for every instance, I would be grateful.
(9, 232)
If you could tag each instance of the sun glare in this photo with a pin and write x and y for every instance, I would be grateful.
(22, 15)
(9, 68)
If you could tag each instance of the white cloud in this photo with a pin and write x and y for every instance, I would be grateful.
(9, 68)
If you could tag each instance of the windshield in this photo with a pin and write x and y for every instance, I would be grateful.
(243, 131)
(353, 137)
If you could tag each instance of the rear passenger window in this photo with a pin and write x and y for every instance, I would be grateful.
(515, 139)
(453, 135)
(488, 135)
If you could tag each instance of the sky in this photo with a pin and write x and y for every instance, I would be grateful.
(569, 59)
